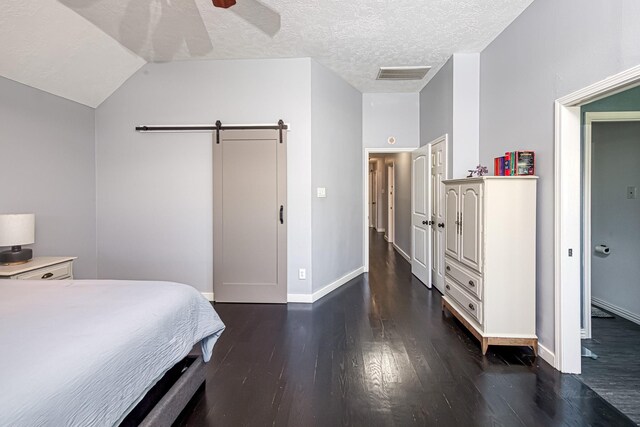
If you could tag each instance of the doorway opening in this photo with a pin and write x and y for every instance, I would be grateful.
(407, 205)
(389, 200)
(379, 162)
(610, 247)
(569, 226)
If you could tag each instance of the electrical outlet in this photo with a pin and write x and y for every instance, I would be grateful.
(631, 192)
(302, 274)
(321, 192)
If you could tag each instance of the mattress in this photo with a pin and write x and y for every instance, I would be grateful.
(83, 353)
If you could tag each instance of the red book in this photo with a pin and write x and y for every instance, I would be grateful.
(496, 166)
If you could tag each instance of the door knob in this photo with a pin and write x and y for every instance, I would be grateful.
(430, 222)
(424, 222)
(441, 224)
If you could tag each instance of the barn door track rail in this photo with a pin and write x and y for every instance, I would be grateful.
(217, 127)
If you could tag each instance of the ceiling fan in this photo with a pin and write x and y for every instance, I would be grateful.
(254, 12)
(157, 29)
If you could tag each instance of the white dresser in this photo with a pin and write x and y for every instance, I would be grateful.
(490, 258)
(40, 268)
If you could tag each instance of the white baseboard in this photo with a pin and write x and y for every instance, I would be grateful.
(311, 298)
(386, 238)
(622, 312)
(380, 230)
(208, 295)
(303, 298)
(547, 355)
(401, 252)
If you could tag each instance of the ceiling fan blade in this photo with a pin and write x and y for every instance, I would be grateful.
(157, 31)
(223, 3)
(259, 15)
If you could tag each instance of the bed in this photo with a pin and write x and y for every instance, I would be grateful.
(85, 353)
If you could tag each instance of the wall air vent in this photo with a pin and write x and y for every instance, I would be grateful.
(403, 73)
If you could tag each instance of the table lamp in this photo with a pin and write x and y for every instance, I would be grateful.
(16, 230)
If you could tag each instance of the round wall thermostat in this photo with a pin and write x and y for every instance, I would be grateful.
(391, 140)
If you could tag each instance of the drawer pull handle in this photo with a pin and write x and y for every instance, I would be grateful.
(448, 287)
(448, 268)
(47, 275)
(471, 306)
(471, 283)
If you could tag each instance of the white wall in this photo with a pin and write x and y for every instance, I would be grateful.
(449, 104)
(390, 114)
(155, 190)
(47, 161)
(614, 218)
(551, 50)
(465, 142)
(336, 164)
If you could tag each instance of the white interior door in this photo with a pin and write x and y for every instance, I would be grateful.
(439, 173)
(391, 220)
(420, 215)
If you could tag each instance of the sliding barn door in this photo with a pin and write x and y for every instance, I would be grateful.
(250, 213)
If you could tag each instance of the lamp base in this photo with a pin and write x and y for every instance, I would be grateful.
(16, 257)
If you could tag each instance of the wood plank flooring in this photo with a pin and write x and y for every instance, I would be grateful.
(615, 375)
(379, 352)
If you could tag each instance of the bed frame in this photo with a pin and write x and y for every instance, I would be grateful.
(164, 402)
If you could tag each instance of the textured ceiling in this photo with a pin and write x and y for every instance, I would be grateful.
(45, 45)
(353, 38)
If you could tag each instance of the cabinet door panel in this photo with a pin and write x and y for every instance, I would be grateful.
(471, 210)
(452, 243)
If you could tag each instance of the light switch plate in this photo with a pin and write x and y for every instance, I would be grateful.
(321, 192)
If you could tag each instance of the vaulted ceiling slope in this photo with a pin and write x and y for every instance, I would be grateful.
(85, 49)
(46, 45)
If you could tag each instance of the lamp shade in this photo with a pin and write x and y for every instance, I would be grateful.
(17, 229)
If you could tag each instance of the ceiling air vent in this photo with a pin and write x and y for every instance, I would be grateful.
(402, 73)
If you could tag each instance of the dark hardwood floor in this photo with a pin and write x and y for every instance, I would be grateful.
(615, 374)
(379, 351)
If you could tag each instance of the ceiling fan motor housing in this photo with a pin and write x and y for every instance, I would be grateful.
(224, 3)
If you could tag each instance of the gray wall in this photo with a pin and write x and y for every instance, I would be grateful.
(155, 190)
(402, 198)
(436, 105)
(48, 163)
(616, 219)
(390, 114)
(381, 192)
(449, 104)
(551, 50)
(336, 153)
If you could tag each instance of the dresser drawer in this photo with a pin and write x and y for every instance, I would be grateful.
(53, 272)
(468, 280)
(464, 300)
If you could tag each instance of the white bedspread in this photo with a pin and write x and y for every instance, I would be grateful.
(83, 353)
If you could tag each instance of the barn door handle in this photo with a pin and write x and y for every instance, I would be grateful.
(281, 214)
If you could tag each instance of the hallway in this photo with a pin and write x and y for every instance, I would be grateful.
(379, 351)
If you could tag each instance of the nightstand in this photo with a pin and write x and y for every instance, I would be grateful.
(40, 268)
